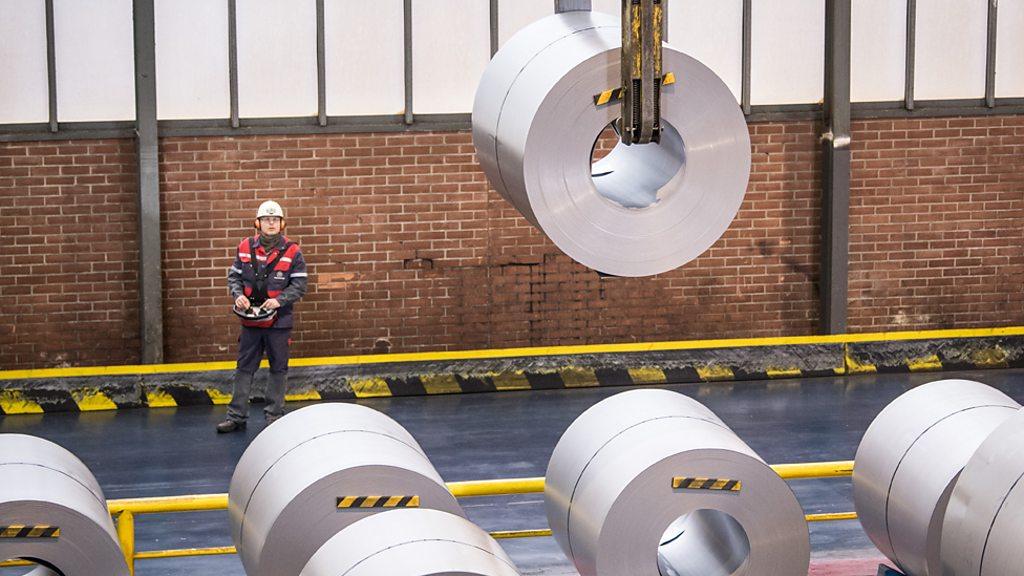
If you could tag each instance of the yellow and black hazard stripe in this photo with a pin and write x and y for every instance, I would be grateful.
(697, 483)
(616, 93)
(346, 502)
(23, 531)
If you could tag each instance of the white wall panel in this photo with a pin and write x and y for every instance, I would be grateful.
(192, 59)
(23, 84)
(451, 48)
(513, 15)
(276, 58)
(1010, 49)
(613, 7)
(787, 51)
(95, 60)
(950, 53)
(365, 56)
(878, 49)
(712, 32)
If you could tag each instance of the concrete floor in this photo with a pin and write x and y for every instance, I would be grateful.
(162, 452)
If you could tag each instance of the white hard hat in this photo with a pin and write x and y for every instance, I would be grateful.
(270, 208)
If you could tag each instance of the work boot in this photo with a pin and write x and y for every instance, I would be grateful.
(230, 426)
(271, 418)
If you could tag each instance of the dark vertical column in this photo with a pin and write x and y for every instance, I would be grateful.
(233, 60)
(408, 62)
(908, 86)
(150, 283)
(835, 215)
(321, 65)
(51, 66)
(747, 32)
(494, 27)
(990, 62)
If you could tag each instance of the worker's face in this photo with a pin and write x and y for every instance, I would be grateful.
(270, 225)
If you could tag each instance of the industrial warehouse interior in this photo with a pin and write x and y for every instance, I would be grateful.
(511, 288)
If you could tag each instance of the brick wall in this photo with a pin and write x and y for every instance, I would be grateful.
(68, 281)
(937, 223)
(409, 249)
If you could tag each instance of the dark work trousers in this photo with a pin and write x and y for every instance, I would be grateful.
(252, 343)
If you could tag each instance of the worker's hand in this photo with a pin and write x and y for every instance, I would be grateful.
(271, 304)
(242, 303)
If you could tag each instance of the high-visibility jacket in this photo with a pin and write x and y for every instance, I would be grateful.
(261, 274)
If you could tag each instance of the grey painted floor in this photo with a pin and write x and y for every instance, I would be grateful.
(164, 452)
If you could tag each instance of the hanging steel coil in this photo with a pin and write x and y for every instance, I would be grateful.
(541, 105)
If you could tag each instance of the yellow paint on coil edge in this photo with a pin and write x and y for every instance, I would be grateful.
(218, 397)
(302, 396)
(715, 372)
(666, 346)
(15, 402)
(509, 380)
(574, 377)
(157, 398)
(647, 375)
(925, 364)
(370, 387)
(91, 400)
(440, 384)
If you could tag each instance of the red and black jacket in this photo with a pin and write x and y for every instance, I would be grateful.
(261, 274)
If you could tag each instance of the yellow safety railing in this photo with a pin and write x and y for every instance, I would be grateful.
(125, 510)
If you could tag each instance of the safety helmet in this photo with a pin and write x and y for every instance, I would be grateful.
(270, 208)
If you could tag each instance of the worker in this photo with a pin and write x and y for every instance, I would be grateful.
(266, 280)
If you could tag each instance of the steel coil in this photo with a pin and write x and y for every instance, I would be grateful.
(651, 482)
(909, 460)
(52, 511)
(642, 210)
(984, 522)
(414, 542)
(314, 472)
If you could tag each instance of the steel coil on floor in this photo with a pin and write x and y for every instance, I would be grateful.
(318, 470)
(909, 460)
(52, 511)
(984, 523)
(411, 542)
(651, 482)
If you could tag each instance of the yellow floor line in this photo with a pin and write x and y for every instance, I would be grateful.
(523, 352)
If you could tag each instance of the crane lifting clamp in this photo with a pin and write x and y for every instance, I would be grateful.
(642, 31)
